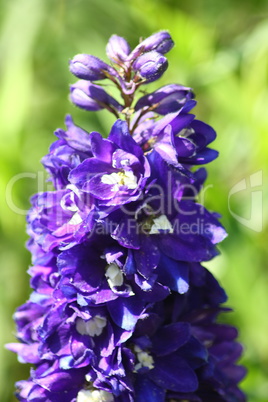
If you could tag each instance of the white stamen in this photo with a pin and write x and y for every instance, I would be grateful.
(130, 180)
(114, 275)
(94, 396)
(144, 358)
(92, 327)
(161, 223)
(88, 377)
(125, 162)
(112, 178)
(126, 178)
(185, 132)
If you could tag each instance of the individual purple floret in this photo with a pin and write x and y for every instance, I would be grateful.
(167, 99)
(178, 137)
(122, 309)
(72, 147)
(118, 170)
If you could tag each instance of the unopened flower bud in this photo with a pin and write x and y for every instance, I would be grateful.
(161, 42)
(151, 65)
(89, 67)
(92, 97)
(117, 49)
(167, 99)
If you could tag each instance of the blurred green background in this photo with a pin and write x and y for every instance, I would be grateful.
(222, 52)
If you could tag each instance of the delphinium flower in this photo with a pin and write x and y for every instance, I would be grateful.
(122, 308)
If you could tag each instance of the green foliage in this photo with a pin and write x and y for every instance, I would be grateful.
(222, 51)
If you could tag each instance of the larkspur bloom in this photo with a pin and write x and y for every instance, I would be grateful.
(122, 309)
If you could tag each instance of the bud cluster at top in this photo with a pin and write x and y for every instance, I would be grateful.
(129, 70)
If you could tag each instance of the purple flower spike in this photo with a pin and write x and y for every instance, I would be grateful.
(122, 309)
(91, 97)
(117, 49)
(90, 68)
(150, 66)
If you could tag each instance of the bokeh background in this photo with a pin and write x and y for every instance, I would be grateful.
(222, 52)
